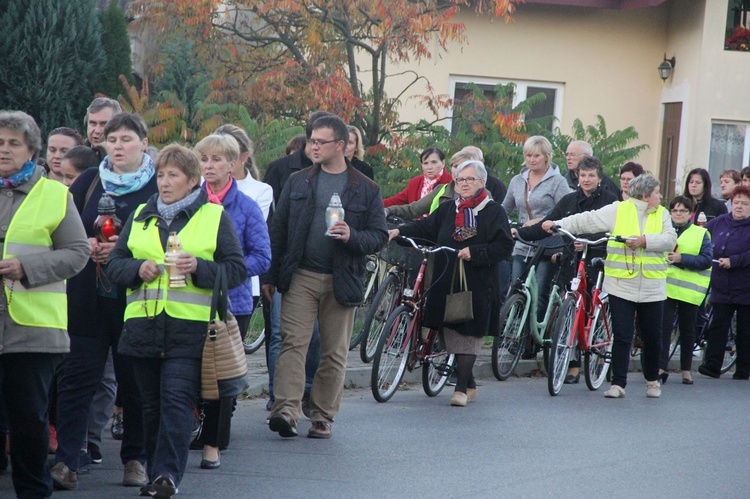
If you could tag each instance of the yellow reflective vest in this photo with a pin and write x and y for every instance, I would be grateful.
(30, 233)
(686, 285)
(624, 263)
(198, 238)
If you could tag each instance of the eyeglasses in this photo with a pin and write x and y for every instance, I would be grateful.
(317, 142)
(466, 180)
(677, 212)
(572, 154)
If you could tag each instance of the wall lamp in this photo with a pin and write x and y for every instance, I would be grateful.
(666, 67)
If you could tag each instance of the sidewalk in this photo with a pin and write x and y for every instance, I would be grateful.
(358, 373)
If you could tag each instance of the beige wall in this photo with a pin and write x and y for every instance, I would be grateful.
(606, 61)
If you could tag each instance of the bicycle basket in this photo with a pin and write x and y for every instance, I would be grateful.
(396, 254)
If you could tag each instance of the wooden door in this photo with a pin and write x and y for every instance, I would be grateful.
(670, 144)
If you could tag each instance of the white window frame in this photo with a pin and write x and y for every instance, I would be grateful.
(745, 149)
(521, 90)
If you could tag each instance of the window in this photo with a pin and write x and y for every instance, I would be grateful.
(551, 106)
(737, 32)
(729, 149)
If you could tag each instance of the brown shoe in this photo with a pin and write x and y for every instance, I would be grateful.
(63, 478)
(283, 424)
(319, 429)
(135, 475)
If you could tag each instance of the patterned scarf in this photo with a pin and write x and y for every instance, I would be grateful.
(169, 211)
(120, 184)
(428, 185)
(466, 222)
(20, 177)
(218, 198)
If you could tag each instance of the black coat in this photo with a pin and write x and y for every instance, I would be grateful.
(712, 207)
(492, 244)
(82, 289)
(608, 185)
(278, 171)
(364, 168)
(363, 212)
(164, 336)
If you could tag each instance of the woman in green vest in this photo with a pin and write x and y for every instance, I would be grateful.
(636, 274)
(688, 276)
(43, 244)
(165, 327)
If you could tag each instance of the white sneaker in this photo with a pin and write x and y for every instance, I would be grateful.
(615, 392)
(652, 389)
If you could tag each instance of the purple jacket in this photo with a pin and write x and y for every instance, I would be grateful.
(730, 238)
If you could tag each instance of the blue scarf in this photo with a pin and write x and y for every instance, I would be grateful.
(20, 177)
(120, 184)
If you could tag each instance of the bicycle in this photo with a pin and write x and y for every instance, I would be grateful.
(403, 345)
(256, 330)
(376, 270)
(584, 323)
(518, 318)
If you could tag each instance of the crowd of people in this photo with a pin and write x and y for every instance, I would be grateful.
(98, 324)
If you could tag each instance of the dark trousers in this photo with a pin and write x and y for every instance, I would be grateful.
(79, 379)
(217, 423)
(717, 337)
(687, 314)
(169, 388)
(649, 316)
(25, 379)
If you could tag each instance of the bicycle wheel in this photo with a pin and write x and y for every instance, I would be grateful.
(256, 331)
(360, 313)
(382, 305)
(597, 360)
(389, 364)
(560, 348)
(437, 367)
(548, 332)
(508, 345)
(730, 351)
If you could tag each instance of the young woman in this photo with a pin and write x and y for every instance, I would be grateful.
(60, 141)
(698, 188)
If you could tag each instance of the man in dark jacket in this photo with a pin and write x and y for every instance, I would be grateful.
(320, 275)
(576, 151)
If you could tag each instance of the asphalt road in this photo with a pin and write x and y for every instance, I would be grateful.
(513, 441)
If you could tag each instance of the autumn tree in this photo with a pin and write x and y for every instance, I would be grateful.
(288, 57)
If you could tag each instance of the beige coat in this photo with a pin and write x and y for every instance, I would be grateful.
(69, 256)
(638, 289)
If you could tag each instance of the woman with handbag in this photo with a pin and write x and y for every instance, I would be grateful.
(478, 228)
(219, 155)
(167, 314)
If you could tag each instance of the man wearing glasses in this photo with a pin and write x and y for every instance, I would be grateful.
(576, 151)
(319, 275)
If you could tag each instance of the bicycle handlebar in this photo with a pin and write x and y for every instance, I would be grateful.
(602, 240)
(425, 249)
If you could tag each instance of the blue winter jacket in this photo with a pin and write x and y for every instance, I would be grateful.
(256, 245)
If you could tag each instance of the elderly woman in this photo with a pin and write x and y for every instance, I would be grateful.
(730, 286)
(96, 306)
(688, 277)
(587, 197)
(532, 194)
(698, 188)
(355, 152)
(43, 244)
(433, 175)
(60, 141)
(628, 172)
(478, 228)
(219, 155)
(163, 338)
(635, 273)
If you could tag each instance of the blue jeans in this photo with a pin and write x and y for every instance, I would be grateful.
(623, 327)
(274, 347)
(169, 388)
(25, 380)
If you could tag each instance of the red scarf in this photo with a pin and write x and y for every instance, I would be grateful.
(218, 198)
(466, 222)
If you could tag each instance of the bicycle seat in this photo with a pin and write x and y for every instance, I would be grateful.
(597, 263)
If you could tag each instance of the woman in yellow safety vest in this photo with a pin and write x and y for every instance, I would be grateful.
(43, 244)
(165, 327)
(636, 274)
(688, 277)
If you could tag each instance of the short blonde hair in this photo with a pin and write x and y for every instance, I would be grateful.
(537, 143)
(220, 143)
(183, 158)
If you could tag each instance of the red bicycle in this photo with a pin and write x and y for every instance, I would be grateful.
(584, 322)
(403, 344)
